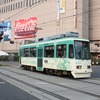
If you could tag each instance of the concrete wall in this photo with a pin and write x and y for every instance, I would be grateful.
(94, 20)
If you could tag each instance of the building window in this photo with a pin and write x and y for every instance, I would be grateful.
(26, 3)
(7, 1)
(18, 5)
(35, 1)
(32, 2)
(2, 9)
(4, 1)
(21, 4)
(6, 8)
(11, 7)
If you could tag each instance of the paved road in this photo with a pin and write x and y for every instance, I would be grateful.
(10, 92)
(96, 71)
(48, 87)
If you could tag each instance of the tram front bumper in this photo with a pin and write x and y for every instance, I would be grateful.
(81, 73)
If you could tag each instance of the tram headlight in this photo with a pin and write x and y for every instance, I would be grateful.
(78, 67)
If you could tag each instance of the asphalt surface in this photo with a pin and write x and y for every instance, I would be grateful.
(96, 71)
(10, 92)
(26, 85)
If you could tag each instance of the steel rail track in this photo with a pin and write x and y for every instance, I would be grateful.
(38, 88)
(71, 88)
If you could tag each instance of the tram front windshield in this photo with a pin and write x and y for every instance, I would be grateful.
(82, 50)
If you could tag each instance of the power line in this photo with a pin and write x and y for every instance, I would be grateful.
(71, 16)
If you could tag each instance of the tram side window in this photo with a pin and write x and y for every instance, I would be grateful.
(32, 52)
(49, 51)
(26, 52)
(71, 51)
(61, 51)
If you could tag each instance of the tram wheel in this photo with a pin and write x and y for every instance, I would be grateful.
(34, 69)
(59, 73)
(31, 68)
(47, 71)
(51, 72)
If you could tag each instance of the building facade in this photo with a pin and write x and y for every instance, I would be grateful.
(53, 17)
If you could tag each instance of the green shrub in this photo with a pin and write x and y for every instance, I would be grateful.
(4, 58)
(16, 58)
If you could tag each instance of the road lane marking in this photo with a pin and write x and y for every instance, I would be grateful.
(2, 82)
(41, 83)
(63, 83)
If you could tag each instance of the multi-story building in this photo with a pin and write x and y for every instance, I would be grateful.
(53, 17)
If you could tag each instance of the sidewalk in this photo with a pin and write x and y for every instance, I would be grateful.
(15, 64)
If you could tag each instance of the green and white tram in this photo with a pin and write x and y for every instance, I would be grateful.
(62, 56)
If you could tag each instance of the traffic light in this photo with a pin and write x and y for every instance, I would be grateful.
(1, 35)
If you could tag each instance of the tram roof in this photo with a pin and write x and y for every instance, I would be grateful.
(56, 40)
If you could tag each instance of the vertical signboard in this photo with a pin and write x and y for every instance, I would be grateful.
(6, 28)
(62, 6)
(25, 28)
